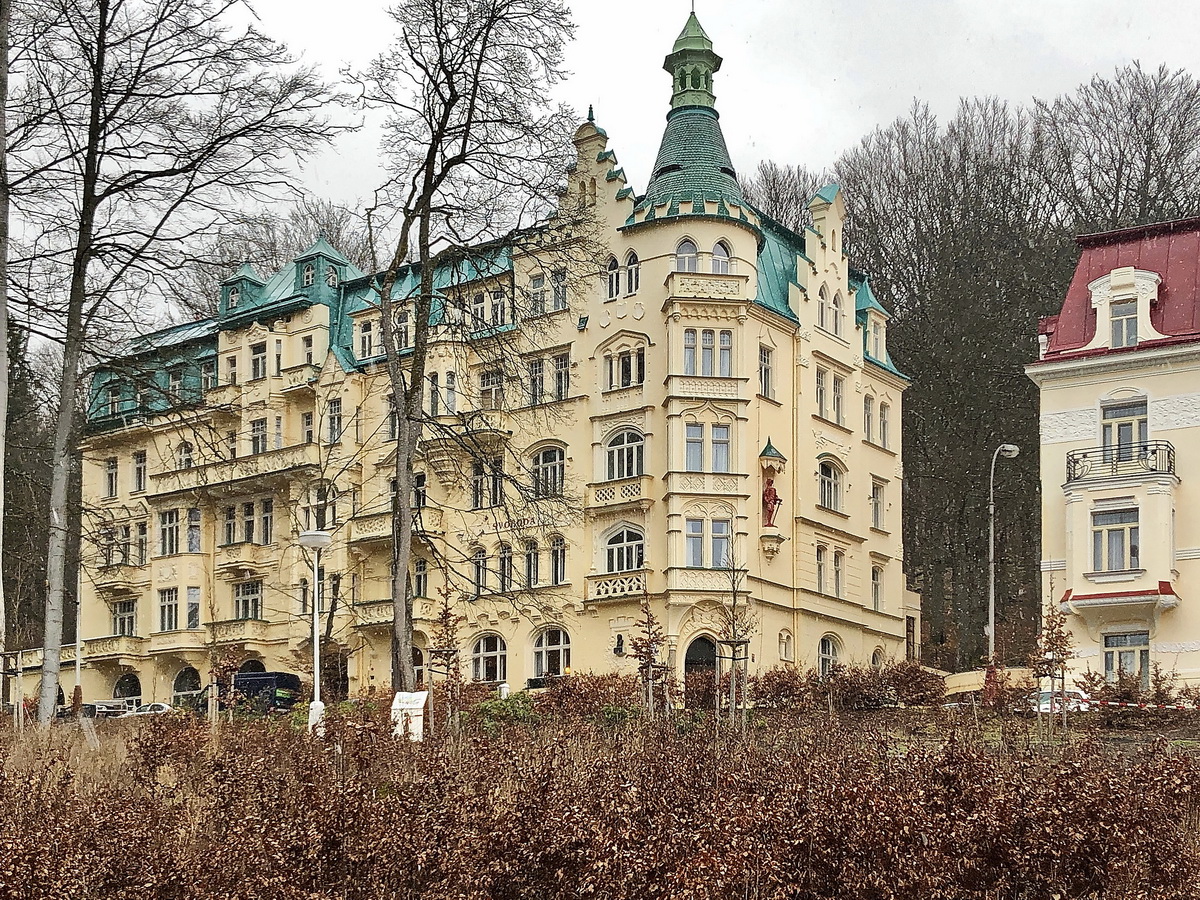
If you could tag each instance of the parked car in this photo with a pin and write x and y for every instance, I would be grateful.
(1052, 702)
(263, 692)
(148, 709)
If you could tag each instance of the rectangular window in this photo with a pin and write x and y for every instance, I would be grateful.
(491, 390)
(1115, 541)
(822, 393)
(562, 376)
(883, 425)
(306, 349)
(247, 600)
(193, 607)
(689, 351)
(1124, 323)
(193, 531)
(877, 505)
(208, 375)
(110, 477)
(694, 448)
(258, 436)
(499, 308)
(868, 418)
(174, 384)
(278, 358)
(839, 399)
(722, 551)
(279, 432)
(402, 328)
(231, 444)
(536, 383)
(558, 561)
(258, 361)
(497, 482)
(266, 521)
(532, 561)
(306, 427)
(229, 523)
(537, 295)
(1124, 427)
(231, 372)
(720, 448)
(139, 470)
(558, 290)
(141, 543)
(479, 311)
(366, 340)
(707, 348)
(694, 537)
(420, 490)
(124, 538)
(112, 401)
(451, 393)
(1127, 654)
(877, 342)
(725, 368)
(478, 484)
(248, 522)
(333, 418)
(124, 617)
(168, 609)
(168, 532)
(766, 383)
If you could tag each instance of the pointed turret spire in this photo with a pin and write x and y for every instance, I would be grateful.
(692, 63)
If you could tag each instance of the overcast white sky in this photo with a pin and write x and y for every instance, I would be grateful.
(802, 80)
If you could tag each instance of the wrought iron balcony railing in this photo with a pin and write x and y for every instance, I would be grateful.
(1142, 458)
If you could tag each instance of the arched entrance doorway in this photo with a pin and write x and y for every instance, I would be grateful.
(254, 666)
(699, 672)
(186, 687)
(129, 689)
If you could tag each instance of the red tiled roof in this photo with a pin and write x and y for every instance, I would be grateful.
(1169, 249)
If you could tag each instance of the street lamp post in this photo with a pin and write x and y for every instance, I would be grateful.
(316, 541)
(1008, 451)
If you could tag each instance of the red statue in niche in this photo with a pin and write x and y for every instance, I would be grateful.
(770, 502)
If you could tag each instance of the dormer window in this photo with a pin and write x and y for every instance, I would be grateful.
(331, 277)
(686, 257)
(877, 346)
(1124, 323)
(308, 276)
(234, 296)
(720, 259)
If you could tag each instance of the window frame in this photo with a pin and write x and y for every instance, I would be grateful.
(687, 256)
(625, 455)
(489, 655)
(548, 656)
(625, 550)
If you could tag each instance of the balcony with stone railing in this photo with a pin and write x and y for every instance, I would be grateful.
(239, 476)
(625, 493)
(180, 641)
(120, 578)
(617, 585)
(244, 559)
(240, 632)
(121, 649)
(706, 286)
(374, 528)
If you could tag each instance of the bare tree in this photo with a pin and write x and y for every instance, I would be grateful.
(783, 192)
(146, 122)
(476, 150)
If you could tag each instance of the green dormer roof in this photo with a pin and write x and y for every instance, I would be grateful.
(246, 271)
(322, 247)
(828, 193)
(693, 162)
(769, 452)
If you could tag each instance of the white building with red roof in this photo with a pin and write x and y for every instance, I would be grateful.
(1119, 376)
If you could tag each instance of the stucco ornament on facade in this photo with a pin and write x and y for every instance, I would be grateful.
(1180, 411)
(1069, 426)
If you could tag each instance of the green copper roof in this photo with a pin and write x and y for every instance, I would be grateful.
(769, 452)
(247, 271)
(693, 162)
(322, 247)
(828, 193)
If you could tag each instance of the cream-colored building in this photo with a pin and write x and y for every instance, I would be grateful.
(1119, 375)
(720, 392)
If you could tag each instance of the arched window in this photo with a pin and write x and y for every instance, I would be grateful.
(839, 574)
(489, 659)
(532, 561)
(720, 259)
(876, 588)
(686, 257)
(420, 577)
(252, 666)
(827, 656)
(435, 395)
(187, 684)
(614, 279)
(823, 311)
(877, 658)
(558, 560)
(549, 472)
(505, 568)
(633, 273)
(831, 487)
(551, 653)
(234, 296)
(309, 275)
(625, 550)
(129, 689)
(418, 661)
(478, 571)
(787, 647)
(331, 276)
(837, 314)
(183, 455)
(868, 418)
(822, 579)
(303, 596)
(625, 454)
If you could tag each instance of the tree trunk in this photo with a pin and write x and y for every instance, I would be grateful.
(5, 14)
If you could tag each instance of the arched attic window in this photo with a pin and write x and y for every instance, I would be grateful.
(309, 275)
